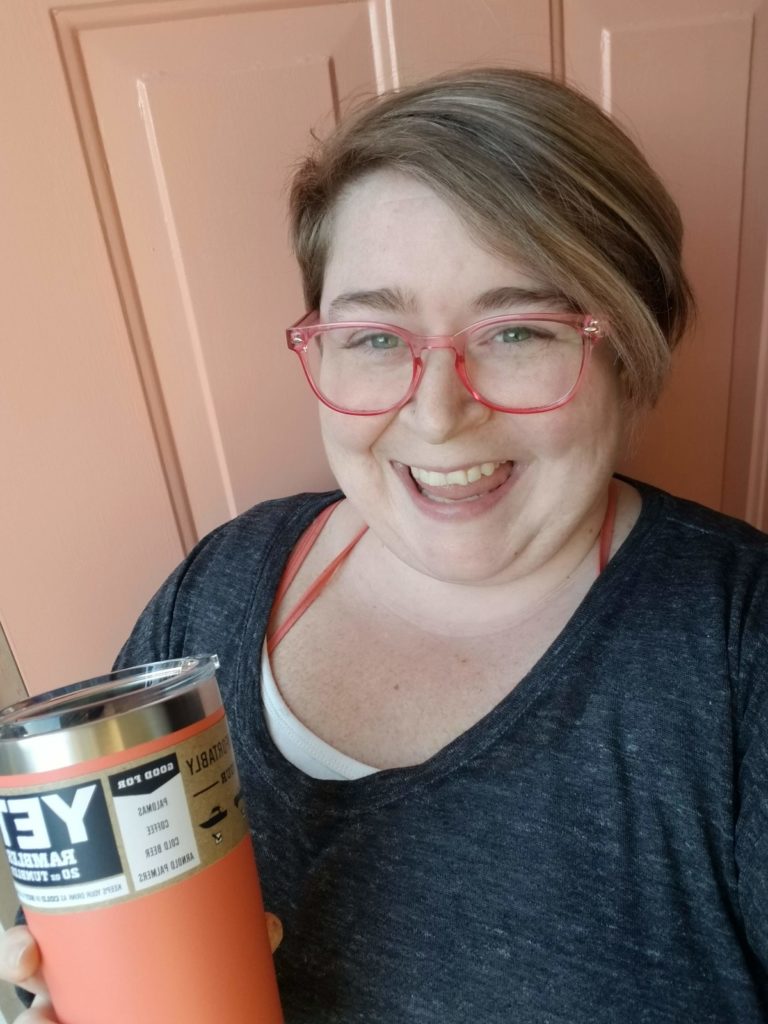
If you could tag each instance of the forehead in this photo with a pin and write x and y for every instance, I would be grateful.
(386, 197)
(390, 230)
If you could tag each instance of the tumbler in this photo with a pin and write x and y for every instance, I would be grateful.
(125, 830)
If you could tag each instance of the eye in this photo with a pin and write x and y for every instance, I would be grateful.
(512, 334)
(377, 341)
(383, 341)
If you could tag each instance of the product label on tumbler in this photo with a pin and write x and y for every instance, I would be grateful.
(112, 834)
(158, 834)
(60, 846)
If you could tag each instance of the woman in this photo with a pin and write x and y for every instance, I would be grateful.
(501, 717)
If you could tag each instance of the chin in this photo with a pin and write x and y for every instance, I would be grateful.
(468, 567)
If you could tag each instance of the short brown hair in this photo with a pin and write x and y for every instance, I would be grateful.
(540, 175)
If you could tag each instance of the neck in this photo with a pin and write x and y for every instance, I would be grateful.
(444, 607)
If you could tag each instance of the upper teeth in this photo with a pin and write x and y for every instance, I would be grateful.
(457, 476)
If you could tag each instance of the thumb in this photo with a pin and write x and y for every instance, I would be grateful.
(274, 930)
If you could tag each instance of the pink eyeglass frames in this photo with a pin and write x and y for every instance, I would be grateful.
(521, 363)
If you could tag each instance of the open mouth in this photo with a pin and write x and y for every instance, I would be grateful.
(467, 484)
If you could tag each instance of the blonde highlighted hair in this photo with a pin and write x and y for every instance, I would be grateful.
(540, 175)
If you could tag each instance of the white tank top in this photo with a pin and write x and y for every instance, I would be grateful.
(297, 743)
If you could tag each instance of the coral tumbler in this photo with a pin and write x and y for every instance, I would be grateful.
(124, 826)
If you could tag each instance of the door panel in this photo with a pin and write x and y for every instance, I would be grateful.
(677, 76)
(427, 38)
(200, 117)
(86, 526)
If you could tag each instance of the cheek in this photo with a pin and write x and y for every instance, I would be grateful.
(591, 423)
(349, 436)
(602, 412)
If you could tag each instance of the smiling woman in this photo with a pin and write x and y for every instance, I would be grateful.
(502, 716)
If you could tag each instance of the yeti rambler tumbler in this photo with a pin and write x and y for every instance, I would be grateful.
(125, 831)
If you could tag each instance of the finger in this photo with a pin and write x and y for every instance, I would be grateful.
(20, 958)
(274, 930)
(40, 1012)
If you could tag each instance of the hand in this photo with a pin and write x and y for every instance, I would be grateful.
(20, 965)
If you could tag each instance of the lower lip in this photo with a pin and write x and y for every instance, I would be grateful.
(456, 510)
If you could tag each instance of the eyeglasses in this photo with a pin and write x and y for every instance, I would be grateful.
(524, 363)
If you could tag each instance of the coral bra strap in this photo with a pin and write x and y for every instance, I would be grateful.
(301, 550)
(293, 565)
(310, 535)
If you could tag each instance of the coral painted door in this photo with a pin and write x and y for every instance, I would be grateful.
(689, 80)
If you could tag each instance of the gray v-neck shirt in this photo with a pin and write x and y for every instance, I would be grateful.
(593, 851)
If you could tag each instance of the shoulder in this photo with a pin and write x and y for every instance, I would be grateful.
(228, 578)
(693, 530)
(702, 575)
(269, 527)
(702, 562)
(246, 555)
(696, 570)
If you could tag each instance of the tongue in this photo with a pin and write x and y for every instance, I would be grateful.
(455, 492)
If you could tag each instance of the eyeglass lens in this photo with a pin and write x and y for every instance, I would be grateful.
(520, 364)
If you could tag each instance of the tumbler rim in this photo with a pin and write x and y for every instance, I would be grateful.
(107, 713)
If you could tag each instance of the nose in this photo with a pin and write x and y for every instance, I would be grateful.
(442, 407)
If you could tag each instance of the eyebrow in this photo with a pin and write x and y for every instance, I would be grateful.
(498, 298)
(395, 300)
(385, 300)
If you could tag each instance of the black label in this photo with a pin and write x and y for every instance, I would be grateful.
(59, 837)
(145, 779)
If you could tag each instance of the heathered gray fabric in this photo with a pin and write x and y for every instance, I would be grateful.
(594, 850)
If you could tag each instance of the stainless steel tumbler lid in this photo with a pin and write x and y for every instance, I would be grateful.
(108, 714)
